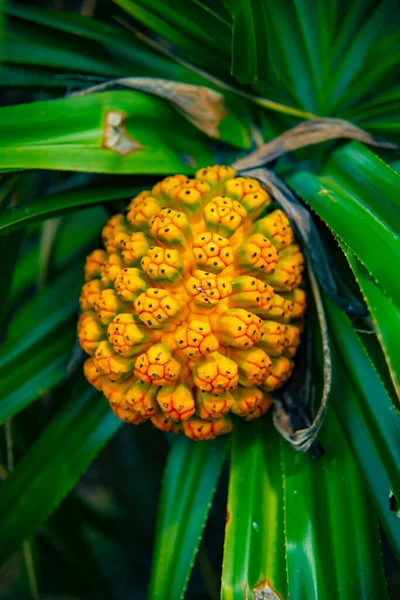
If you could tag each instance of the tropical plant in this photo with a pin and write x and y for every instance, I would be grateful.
(100, 102)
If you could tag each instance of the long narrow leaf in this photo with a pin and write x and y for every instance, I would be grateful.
(254, 549)
(52, 467)
(326, 541)
(197, 32)
(368, 178)
(249, 42)
(374, 401)
(189, 483)
(353, 58)
(35, 377)
(289, 56)
(37, 332)
(366, 450)
(332, 536)
(353, 220)
(66, 202)
(51, 299)
(90, 133)
(26, 43)
(385, 314)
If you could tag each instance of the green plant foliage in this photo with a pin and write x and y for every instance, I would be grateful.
(249, 43)
(376, 404)
(254, 548)
(386, 318)
(83, 132)
(366, 451)
(61, 455)
(38, 375)
(354, 219)
(198, 33)
(312, 545)
(292, 526)
(65, 202)
(190, 479)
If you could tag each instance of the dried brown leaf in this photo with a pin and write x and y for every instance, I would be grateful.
(116, 137)
(202, 106)
(305, 134)
(302, 439)
(263, 591)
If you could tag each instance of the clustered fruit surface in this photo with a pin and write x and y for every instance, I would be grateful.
(194, 309)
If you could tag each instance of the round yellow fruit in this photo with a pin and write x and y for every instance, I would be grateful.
(194, 310)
